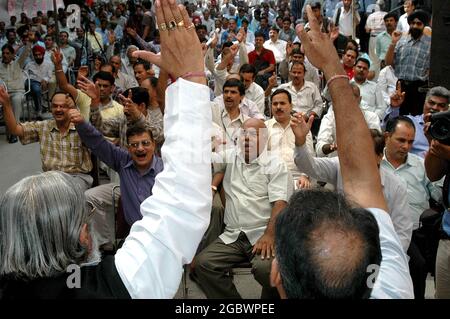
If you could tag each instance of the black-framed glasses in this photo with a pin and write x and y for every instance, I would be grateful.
(145, 143)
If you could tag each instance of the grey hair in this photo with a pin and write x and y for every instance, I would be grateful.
(41, 218)
(439, 91)
(132, 47)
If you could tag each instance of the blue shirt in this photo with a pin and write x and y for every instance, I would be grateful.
(420, 146)
(412, 58)
(134, 186)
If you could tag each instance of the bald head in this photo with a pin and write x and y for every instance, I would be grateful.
(253, 138)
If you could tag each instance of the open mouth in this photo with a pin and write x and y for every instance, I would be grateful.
(141, 156)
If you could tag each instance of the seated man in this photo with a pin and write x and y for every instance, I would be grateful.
(137, 169)
(12, 76)
(326, 139)
(332, 245)
(253, 91)
(257, 186)
(60, 145)
(282, 139)
(41, 72)
(263, 60)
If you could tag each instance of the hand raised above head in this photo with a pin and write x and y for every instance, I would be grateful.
(181, 52)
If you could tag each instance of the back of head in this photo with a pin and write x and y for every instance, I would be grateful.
(324, 247)
(40, 223)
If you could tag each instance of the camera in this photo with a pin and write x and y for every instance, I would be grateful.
(440, 127)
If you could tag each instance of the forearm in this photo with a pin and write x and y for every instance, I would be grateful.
(361, 179)
(435, 167)
(243, 56)
(13, 127)
(389, 58)
(278, 206)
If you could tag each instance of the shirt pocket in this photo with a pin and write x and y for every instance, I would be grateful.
(258, 185)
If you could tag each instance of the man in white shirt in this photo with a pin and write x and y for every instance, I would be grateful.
(306, 97)
(345, 19)
(375, 26)
(208, 21)
(282, 139)
(409, 6)
(253, 91)
(372, 98)
(257, 187)
(40, 71)
(327, 248)
(277, 46)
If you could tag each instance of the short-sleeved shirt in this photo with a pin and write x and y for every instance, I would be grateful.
(261, 61)
(62, 152)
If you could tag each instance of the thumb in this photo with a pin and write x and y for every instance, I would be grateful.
(148, 56)
(310, 121)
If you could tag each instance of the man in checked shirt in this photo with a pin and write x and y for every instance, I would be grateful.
(60, 145)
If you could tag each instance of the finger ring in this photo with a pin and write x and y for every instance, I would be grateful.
(180, 24)
(162, 27)
(190, 26)
(172, 25)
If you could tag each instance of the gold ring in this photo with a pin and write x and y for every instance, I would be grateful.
(190, 26)
(172, 25)
(162, 27)
(180, 24)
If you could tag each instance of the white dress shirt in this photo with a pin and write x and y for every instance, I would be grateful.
(327, 131)
(372, 98)
(387, 82)
(255, 93)
(307, 99)
(403, 25)
(39, 72)
(278, 48)
(176, 216)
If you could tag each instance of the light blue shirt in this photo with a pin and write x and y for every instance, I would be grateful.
(383, 40)
(419, 187)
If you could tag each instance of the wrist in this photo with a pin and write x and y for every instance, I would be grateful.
(214, 188)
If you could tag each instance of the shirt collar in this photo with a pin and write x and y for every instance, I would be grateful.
(151, 169)
(409, 161)
(52, 126)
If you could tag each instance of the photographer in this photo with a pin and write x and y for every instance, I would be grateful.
(437, 164)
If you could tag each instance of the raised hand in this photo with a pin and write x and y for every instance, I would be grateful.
(301, 128)
(88, 87)
(57, 56)
(241, 35)
(112, 37)
(396, 35)
(75, 116)
(132, 32)
(181, 53)
(319, 48)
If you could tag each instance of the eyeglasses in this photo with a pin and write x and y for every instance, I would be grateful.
(145, 143)
(56, 106)
(433, 103)
(92, 209)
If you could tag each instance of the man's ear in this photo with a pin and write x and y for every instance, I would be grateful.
(275, 279)
(85, 237)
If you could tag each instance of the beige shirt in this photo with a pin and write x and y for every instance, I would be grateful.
(307, 99)
(255, 93)
(250, 191)
(12, 73)
(282, 143)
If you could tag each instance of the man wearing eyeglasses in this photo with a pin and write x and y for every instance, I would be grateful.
(436, 100)
(60, 145)
(137, 169)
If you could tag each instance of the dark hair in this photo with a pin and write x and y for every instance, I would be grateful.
(248, 68)
(139, 129)
(140, 95)
(378, 140)
(298, 63)
(391, 15)
(235, 83)
(106, 64)
(63, 93)
(297, 51)
(352, 49)
(201, 27)
(286, 19)
(422, 15)
(281, 91)
(306, 227)
(392, 123)
(9, 47)
(274, 28)
(144, 63)
(259, 34)
(105, 76)
(363, 60)
(67, 33)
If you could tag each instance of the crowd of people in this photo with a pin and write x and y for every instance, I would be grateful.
(294, 137)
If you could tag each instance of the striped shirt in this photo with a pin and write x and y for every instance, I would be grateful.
(62, 152)
(412, 58)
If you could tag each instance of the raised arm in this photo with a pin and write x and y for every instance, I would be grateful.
(176, 216)
(361, 179)
(61, 79)
(13, 127)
